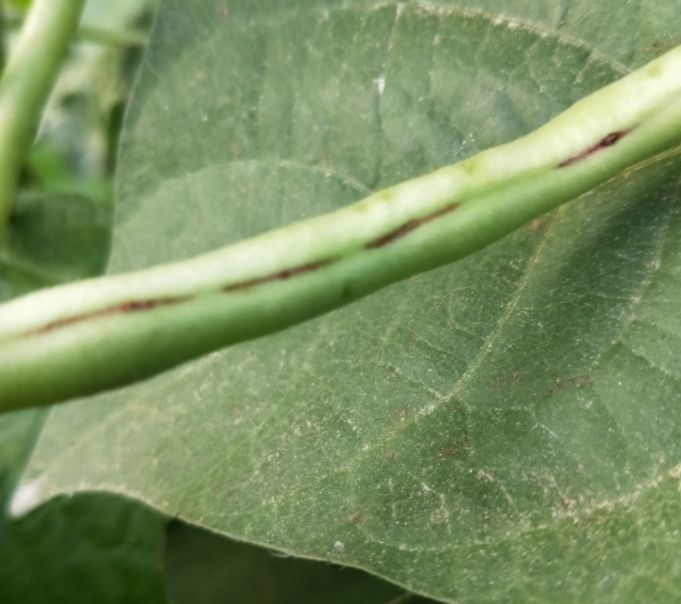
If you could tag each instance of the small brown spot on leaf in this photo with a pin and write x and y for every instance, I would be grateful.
(447, 453)
(579, 382)
(537, 225)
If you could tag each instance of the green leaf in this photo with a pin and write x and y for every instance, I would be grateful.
(86, 549)
(53, 239)
(19, 4)
(202, 568)
(504, 429)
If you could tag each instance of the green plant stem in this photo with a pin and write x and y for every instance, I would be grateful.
(97, 35)
(110, 37)
(97, 334)
(3, 34)
(26, 83)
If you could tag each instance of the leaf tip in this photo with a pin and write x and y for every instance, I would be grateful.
(25, 498)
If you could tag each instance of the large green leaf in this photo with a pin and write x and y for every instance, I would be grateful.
(504, 429)
(202, 568)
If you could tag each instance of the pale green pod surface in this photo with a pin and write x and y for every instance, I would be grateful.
(102, 333)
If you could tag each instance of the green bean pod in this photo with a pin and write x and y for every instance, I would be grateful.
(98, 334)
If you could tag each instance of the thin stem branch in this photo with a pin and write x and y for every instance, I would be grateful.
(3, 30)
(96, 35)
(26, 83)
(112, 37)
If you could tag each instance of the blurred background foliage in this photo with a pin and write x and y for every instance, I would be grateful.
(76, 147)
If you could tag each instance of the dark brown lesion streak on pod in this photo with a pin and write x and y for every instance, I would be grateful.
(408, 227)
(134, 306)
(124, 308)
(607, 141)
(279, 276)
